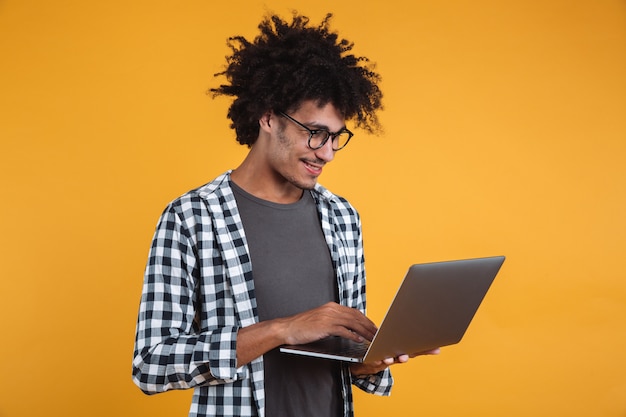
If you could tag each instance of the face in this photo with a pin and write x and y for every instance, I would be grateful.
(291, 160)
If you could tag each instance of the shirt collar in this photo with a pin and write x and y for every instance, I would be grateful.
(318, 191)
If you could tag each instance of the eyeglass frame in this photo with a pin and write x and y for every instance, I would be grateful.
(314, 131)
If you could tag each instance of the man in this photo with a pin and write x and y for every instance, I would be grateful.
(263, 255)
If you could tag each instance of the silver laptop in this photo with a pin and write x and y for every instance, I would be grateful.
(432, 308)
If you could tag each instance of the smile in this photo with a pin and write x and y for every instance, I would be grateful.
(313, 168)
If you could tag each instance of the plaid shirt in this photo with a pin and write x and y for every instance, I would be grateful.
(198, 292)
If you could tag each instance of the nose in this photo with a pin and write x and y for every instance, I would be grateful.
(326, 153)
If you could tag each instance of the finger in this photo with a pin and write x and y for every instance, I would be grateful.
(356, 322)
(366, 333)
(428, 352)
(333, 319)
(388, 361)
(348, 334)
(363, 326)
(402, 358)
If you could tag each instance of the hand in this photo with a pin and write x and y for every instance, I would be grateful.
(370, 368)
(331, 319)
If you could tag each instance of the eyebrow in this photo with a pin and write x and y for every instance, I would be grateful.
(313, 125)
(316, 126)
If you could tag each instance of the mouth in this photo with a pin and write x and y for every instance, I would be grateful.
(314, 168)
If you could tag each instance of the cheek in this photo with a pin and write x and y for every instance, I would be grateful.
(285, 148)
(282, 141)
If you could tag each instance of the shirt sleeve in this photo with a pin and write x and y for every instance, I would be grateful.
(378, 384)
(171, 351)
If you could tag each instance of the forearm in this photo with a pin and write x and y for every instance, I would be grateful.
(256, 340)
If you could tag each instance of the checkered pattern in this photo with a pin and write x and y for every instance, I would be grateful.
(198, 292)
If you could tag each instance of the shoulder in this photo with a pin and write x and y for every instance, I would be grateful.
(209, 198)
(340, 207)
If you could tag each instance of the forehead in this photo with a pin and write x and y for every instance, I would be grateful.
(325, 116)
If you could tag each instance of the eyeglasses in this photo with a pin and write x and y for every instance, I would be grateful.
(319, 137)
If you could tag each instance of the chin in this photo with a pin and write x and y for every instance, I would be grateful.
(305, 185)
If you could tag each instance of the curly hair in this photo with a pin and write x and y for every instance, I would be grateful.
(290, 63)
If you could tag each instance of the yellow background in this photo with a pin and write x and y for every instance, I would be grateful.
(505, 133)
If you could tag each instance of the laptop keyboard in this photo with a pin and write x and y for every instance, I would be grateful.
(342, 347)
(356, 351)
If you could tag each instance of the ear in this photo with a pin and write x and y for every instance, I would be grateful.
(265, 121)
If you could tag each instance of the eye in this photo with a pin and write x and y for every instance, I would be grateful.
(319, 134)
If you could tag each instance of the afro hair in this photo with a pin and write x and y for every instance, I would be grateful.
(289, 63)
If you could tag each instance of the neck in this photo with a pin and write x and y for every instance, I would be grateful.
(264, 184)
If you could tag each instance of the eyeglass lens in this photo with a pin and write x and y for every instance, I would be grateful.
(318, 139)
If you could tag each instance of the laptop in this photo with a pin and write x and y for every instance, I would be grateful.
(432, 308)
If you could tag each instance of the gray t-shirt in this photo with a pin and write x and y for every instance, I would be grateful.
(293, 272)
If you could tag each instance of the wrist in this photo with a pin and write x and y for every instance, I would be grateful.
(358, 371)
(277, 328)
